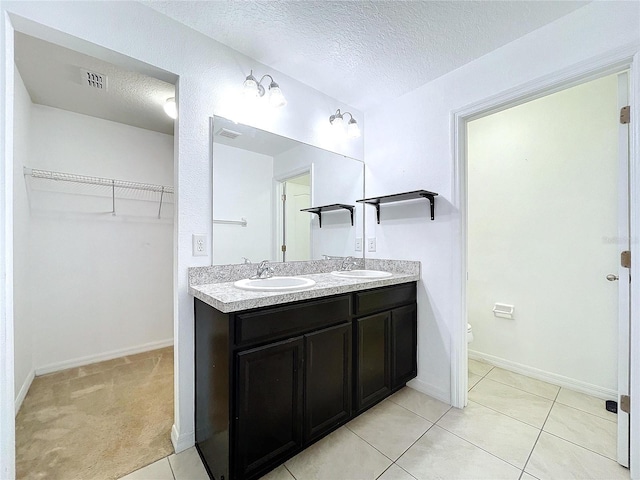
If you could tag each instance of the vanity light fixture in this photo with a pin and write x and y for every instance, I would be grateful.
(337, 122)
(253, 88)
(170, 107)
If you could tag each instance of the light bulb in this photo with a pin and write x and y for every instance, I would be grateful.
(170, 108)
(353, 131)
(276, 98)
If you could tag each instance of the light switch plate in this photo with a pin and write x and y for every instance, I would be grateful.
(359, 244)
(199, 245)
(371, 244)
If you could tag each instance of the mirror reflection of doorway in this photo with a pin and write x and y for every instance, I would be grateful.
(296, 225)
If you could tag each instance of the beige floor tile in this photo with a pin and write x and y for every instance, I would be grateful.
(586, 403)
(342, 454)
(159, 470)
(478, 367)
(528, 384)
(503, 436)
(424, 405)
(526, 476)
(442, 455)
(473, 379)
(280, 473)
(390, 428)
(555, 458)
(187, 465)
(394, 472)
(523, 406)
(584, 429)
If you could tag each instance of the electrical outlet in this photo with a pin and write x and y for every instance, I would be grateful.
(371, 244)
(359, 244)
(199, 245)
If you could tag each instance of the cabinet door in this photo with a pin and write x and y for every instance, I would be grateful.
(403, 345)
(269, 405)
(374, 376)
(327, 379)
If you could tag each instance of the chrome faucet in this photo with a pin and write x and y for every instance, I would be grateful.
(347, 264)
(264, 270)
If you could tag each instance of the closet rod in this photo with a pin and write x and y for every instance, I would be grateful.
(106, 182)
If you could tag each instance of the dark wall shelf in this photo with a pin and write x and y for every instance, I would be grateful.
(329, 208)
(400, 197)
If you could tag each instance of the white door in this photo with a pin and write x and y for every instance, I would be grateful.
(297, 224)
(623, 275)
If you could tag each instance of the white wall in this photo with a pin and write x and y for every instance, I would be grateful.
(103, 282)
(22, 301)
(420, 156)
(243, 188)
(542, 229)
(210, 74)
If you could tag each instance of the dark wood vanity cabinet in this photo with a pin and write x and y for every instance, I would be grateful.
(386, 346)
(271, 381)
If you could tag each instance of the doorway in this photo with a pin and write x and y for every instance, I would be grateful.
(93, 223)
(295, 225)
(543, 252)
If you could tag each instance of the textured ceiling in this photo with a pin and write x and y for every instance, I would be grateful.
(52, 75)
(364, 53)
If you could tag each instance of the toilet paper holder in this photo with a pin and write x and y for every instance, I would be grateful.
(503, 310)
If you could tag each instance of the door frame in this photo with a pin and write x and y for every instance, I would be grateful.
(278, 183)
(616, 61)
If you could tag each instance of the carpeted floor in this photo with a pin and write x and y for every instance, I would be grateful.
(100, 421)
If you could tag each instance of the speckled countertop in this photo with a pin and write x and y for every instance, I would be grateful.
(205, 283)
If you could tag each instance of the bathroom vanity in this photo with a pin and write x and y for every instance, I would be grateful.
(272, 379)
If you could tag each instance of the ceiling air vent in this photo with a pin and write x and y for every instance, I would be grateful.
(225, 132)
(93, 79)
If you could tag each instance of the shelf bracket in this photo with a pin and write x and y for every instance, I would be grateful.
(377, 205)
(160, 207)
(431, 199)
(319, 218)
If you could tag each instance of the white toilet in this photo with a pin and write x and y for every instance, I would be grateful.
(469, 333)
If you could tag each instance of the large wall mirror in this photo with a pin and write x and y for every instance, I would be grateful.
(261, 184)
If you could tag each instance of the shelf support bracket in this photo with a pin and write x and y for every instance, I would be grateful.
(431, 199)
(160, 207)
(377, 205)
(319, 218)
(113, 198)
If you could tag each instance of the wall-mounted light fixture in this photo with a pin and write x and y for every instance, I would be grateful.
(337, 122)
(253, 88)
(170, 107)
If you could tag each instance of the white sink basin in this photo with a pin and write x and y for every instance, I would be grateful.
(275, 284)
(365, 274)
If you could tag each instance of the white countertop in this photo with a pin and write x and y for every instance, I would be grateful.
(227, 298)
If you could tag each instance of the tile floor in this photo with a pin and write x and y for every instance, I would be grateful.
(514, 427)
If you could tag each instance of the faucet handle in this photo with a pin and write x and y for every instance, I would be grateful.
(246, 260)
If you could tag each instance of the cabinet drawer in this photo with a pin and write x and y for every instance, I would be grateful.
(384, 298)
(282, 322)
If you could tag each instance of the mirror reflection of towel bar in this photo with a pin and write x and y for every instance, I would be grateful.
(242, 222)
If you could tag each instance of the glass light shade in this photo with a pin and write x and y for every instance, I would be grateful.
(250, 87)
(337, 123)
(170, 108)
(276, 98)
(353, 131)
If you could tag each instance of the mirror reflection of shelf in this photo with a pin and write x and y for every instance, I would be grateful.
(400, 197)
(329, 208)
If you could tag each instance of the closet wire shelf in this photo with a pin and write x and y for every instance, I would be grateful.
(104, 182)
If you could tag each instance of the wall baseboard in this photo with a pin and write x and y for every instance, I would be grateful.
(24, 389)
(182, 442)
(101, 357)
(431, 390)
(553, 378)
